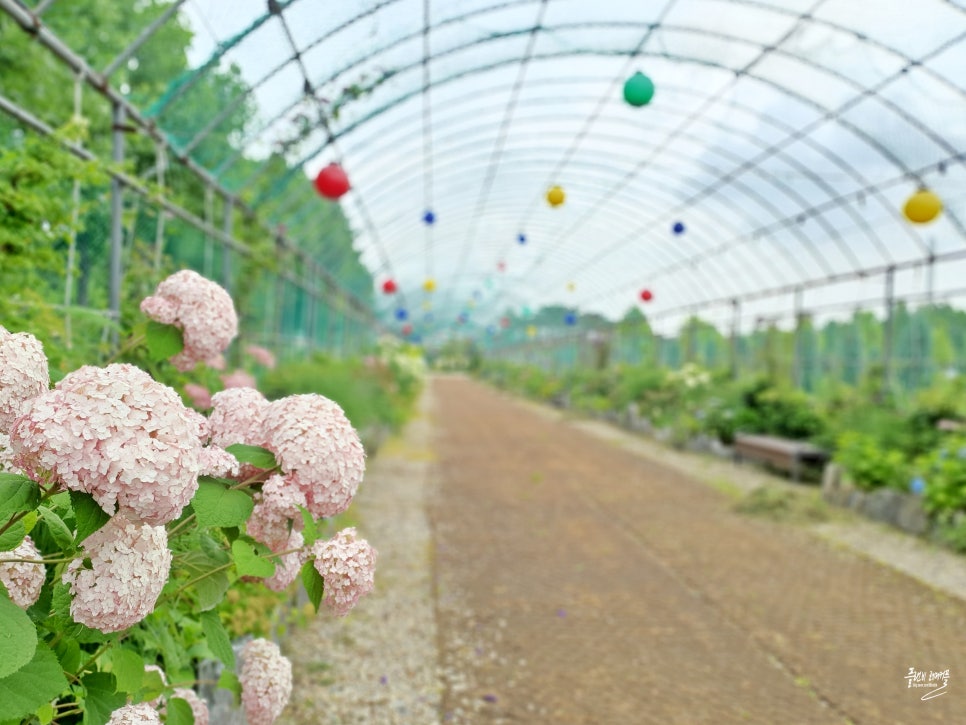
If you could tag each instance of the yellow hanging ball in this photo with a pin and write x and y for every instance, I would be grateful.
(922, 207)
(429, 285)
(531, 331)
(555, 196)
(571, 286)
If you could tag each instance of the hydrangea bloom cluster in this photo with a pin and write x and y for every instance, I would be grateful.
(6, 455)
(199, 394)
(347, 565)
(199, 708)
(288, 565)
(142, 714)
(118, 435)
(275, 507)
(266, 681)
(317, 449)
(22, 580)
(202, 309)
(125, 567)
(261, 356)
(23, 374)
(238, 379)
(236, 417)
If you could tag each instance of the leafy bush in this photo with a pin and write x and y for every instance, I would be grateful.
(870, 465)
(944, 471)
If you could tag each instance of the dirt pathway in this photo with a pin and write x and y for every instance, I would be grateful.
(579, 583)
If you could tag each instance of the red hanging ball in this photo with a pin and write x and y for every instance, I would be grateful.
(646, 295)
(407, 330)
(332, 182)
(504, 322)
(389, 287)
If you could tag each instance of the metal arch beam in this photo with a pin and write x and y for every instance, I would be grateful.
(143, 38)
(791, 161)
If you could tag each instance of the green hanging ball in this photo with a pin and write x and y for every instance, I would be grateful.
(638, 90)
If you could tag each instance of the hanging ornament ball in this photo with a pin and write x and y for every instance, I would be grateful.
(504, 322)
(332, 182)
(462, 318)
(678, 227)
(429, 285)
(491, 329)
(428, 317)
(407, 330)
(429, 217)
(570, 318)
(501, 266)
(531, 331)
(922, 207)
(647, 295)
(638, 90)
(525, 311)
(555, 196)
(401, 314)
(571, 286)
(389, 287)
(522, 238)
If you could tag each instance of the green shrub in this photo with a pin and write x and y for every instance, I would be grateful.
(944, 471)
(869, 465)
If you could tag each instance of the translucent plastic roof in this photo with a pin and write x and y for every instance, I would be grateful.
(784, 137)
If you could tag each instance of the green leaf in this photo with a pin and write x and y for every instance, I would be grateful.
(218, 641)
(210, 588)
(90, 516)
(45, 713)
(18, 637)
(254, 455)
(69, 653)
(128, 669)
(228, 680)
(152, 685)
(249, 563)
(216, 505)
(163, 341)
(11, 538)
(34, 684)
(101, 697)
(63, 536)
(179, 712)
(17, 493)
(313, 583)
(310, 528)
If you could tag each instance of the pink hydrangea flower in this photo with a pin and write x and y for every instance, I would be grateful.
(6, 456)
(23, 581)
(199, 708)
(275, 512)
(238, 379)
(266, 681)
(202, 309)
(236, 417)
(118, 435)
(141, 714)
(128, 565)
(217, 362)
(216, 461)
(261, 355)
(23, 374)
(317, 449)
(288, 565)
(199, 394)
(347, 566)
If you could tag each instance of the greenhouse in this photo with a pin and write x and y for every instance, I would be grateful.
(482, 361)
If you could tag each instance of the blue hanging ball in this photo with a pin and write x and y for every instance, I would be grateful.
(401, 314)
(570, 318)
(491, 330)
(522, 238)
(416, 339)
(429, 217)
(917, 485)
(678, 228)
(428, 317)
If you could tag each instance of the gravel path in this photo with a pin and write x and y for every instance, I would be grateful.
(378, 665)
(538, 568)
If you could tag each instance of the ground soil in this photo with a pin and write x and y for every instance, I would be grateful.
(579, 582)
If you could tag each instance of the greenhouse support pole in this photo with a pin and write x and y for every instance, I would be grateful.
(735, 325)
(226, 225)
(117, 230)
(889, 327)
(798, 372)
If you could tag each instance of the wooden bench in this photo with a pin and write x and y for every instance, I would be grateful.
(786, 455)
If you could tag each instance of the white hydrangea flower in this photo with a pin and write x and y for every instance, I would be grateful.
(22, 580)
(125, 567)
(347, 565)
(142, 714)
(23, 374)
(266, 681)
(118, 435)
(202, 309)
(317, 449)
